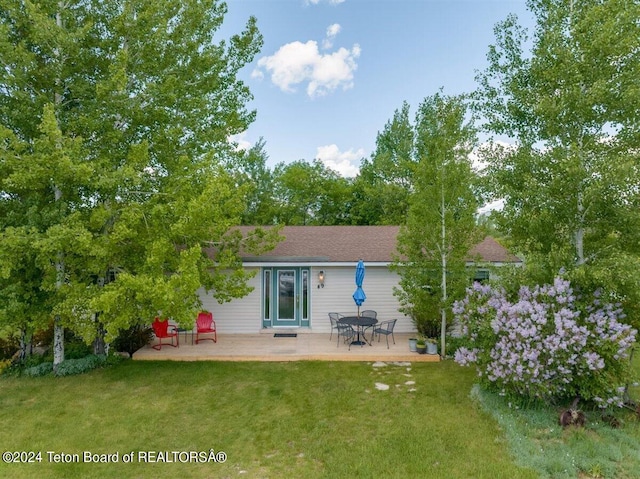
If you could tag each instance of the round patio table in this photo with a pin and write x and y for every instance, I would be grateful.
(360, 322)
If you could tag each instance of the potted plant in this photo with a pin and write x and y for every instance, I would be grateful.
(412, 344)
(431, 346)
(421, 346)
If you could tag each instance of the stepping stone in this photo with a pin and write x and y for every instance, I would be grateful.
(379, 364)
(410, 383)
(401, 363)
(382, 387)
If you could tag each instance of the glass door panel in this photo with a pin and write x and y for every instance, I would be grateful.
(287, 298)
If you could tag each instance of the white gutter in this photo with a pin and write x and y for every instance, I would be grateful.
(280, 264)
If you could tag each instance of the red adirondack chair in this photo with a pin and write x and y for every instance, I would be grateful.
(161, 330)
(206, 325)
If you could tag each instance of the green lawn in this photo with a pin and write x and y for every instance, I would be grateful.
(299, 419)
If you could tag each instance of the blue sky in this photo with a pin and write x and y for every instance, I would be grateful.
(331, 73)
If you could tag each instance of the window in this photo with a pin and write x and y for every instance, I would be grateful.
(267, 295)
(305, 294)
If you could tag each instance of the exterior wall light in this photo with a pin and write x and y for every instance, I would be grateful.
(321, 279)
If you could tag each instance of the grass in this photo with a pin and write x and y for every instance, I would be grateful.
(298, 419)
(595, 451)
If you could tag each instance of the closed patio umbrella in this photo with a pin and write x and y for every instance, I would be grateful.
(358, 295)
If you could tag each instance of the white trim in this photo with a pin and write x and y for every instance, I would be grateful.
(278, 280)
(487, 265)
(373, 264)
(306, 264)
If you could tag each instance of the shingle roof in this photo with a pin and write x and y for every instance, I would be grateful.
(491, 251)
(336, 244)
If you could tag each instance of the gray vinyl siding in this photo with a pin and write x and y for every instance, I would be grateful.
(239, 316)
(244, 315)
(340, 285)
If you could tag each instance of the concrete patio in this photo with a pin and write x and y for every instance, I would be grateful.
(265, 347)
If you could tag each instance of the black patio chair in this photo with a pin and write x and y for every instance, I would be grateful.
(386, 328)
(346, 332)
(333, 318)
(368, 313)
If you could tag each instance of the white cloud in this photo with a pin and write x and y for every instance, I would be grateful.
(479, 165)
(291, 64)
(332, 31)
(344, 162)
(477, 162)
(330, 2)
(332, 71)
(257, 74)
(298, 63)
(240, 142)
(496, 205)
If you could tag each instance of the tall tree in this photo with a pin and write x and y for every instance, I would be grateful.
(386, 180)
(115, 119)
(568, 99)
(440, 229)
(250, 167)
(310, 194)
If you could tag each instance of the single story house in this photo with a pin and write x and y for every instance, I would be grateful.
(312, 273)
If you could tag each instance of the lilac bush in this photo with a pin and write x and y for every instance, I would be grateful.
(549, 344)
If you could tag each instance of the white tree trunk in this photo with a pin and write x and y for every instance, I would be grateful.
(443, 252)
(579, 233)
(58, 342)
(25, 345)
(580, 213)
(58, 329)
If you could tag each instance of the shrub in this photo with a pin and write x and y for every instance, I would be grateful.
(4, 364)
(66, 368)
(426, 319)
(41, 369)
(132, 339)
(69, 367)
(8, 347)
(548, 344)
(76, 349)
(453, 343)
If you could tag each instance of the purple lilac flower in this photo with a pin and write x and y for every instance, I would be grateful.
(542, 344)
